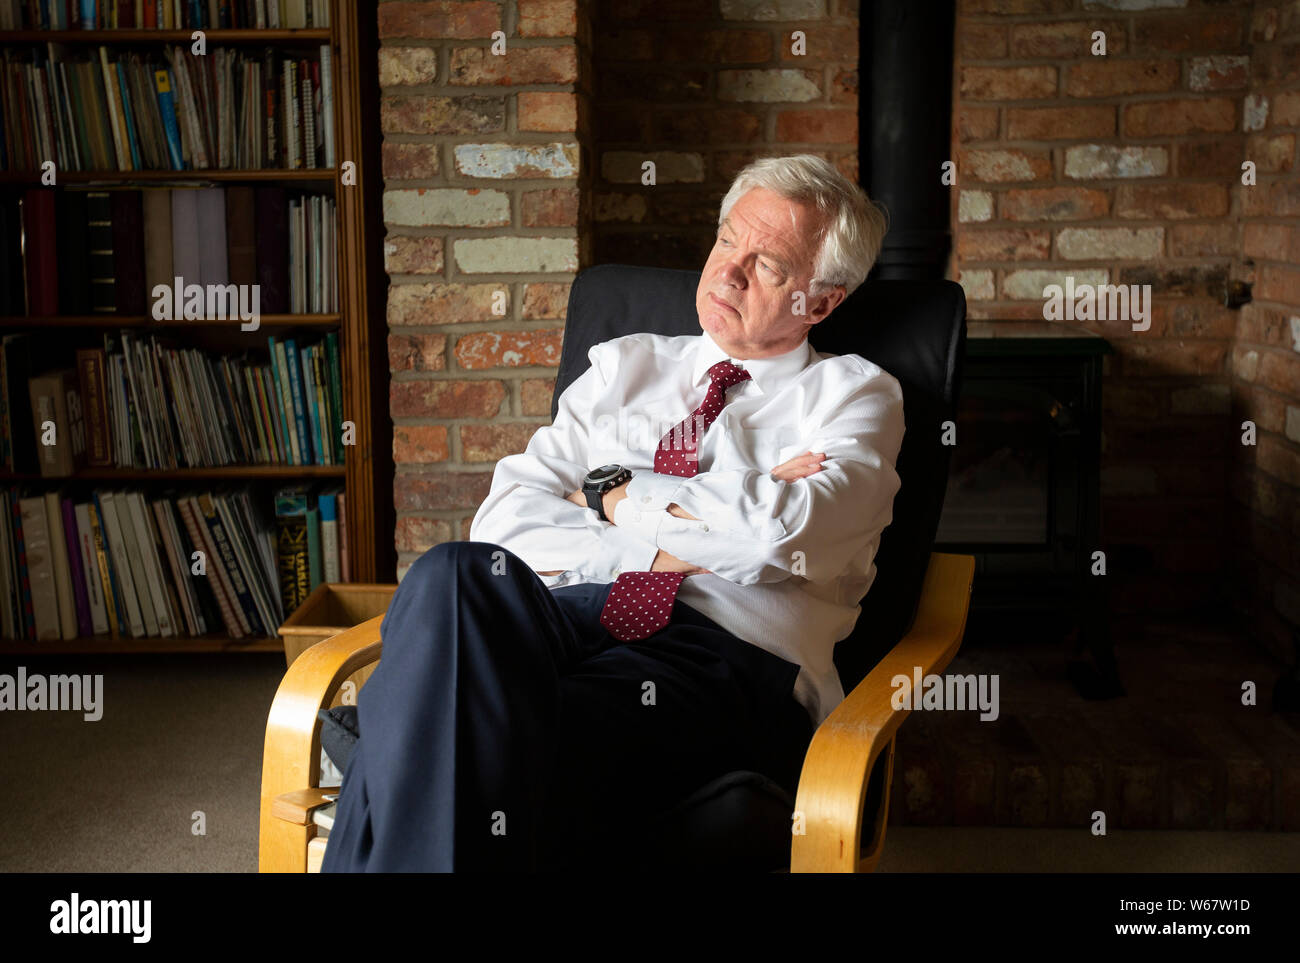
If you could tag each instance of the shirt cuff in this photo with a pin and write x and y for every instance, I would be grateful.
(646, 506)
(620, 551)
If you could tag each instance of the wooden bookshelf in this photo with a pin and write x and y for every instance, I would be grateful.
(367, 472)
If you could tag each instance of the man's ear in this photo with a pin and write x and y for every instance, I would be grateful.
(823, 305)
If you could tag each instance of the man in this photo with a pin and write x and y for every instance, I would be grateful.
(602, 646)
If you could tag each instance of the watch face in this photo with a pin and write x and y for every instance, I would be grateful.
(603, 473)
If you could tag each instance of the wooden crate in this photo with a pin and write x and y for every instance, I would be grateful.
(331, 608)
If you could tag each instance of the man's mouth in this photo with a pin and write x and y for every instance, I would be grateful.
(723, 304)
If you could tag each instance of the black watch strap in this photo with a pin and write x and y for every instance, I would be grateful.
(596, 501)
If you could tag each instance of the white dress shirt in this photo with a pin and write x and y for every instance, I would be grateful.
(790, 561)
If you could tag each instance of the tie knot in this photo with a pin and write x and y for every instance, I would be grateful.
(728, 374)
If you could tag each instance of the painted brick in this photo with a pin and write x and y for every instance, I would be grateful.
(547, 18)
(974, 206)
(417, 352)
(1153, 118)
(1055, 204)
(439, 490)
(817, 126)
(1279, 283)
(548, 111)
(516, 255)
(1089, 161)
(412, 255)
(420, 444)
(1201, 400)
(670, 167)
(446, 399)
(1027, 285)
(494, 442)
(978, 285)
(768, 86)
(444, 303)
(431, 207)
(556, 207)
(1005, 166)
(1008, 83)
(509, 349)
(1254, 112)
(545, 301)
(401, 66)
(439, 20)
(1106, 78)
(1280, 371)
(1013, 7)
(478, 66)
(516, 160)
(1098, 243)
(1003, 245)
(442, 115)
(535, 396)
(1279, 199)
(774, 9)
(1171, 200)
(1221, 72)
(1186, 280)
(1060, 123)
(409, 162)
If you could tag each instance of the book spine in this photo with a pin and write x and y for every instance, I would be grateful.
(167, 106)
(299, 412)
(138, 615)
(24, 575)
(64, 587)
(345, 569)
(99, 613)
(90, 371)
(198, 538)
(76, 568)
(226, 558)
(116, 610)
(39, 559)
(329, 537)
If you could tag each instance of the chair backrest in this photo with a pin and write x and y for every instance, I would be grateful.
(915, 330)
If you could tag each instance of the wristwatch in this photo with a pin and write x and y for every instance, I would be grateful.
(600, 480)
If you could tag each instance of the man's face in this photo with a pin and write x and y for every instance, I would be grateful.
(763, 254)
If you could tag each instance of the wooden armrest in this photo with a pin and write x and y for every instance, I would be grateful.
(291, 756)
(833, 784)
(297, 806)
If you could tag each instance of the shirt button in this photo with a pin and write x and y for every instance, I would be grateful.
(645, 499)
(704, 528)
(636, 516)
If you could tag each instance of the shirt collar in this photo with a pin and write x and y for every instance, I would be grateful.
(766, 373)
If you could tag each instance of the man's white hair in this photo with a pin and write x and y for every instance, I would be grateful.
(853, 228)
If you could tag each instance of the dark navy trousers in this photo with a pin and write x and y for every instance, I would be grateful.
(505, 729)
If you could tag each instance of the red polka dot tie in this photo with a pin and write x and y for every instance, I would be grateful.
(641, 603)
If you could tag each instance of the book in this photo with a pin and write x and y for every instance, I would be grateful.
(57, 422)
(291, 546)
(39, 219)
(90, 573)
(329, 537)
(120, 569)
(65, 588)
(39, 559)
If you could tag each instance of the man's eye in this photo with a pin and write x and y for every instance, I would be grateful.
(771, 270)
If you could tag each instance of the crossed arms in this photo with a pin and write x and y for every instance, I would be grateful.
(809, 516)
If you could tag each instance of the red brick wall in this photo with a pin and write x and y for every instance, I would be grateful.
(1125, 168)
(701, 88)
(1265, 514)
(484, 172)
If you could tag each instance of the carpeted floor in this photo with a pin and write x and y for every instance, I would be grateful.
(183, 734)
